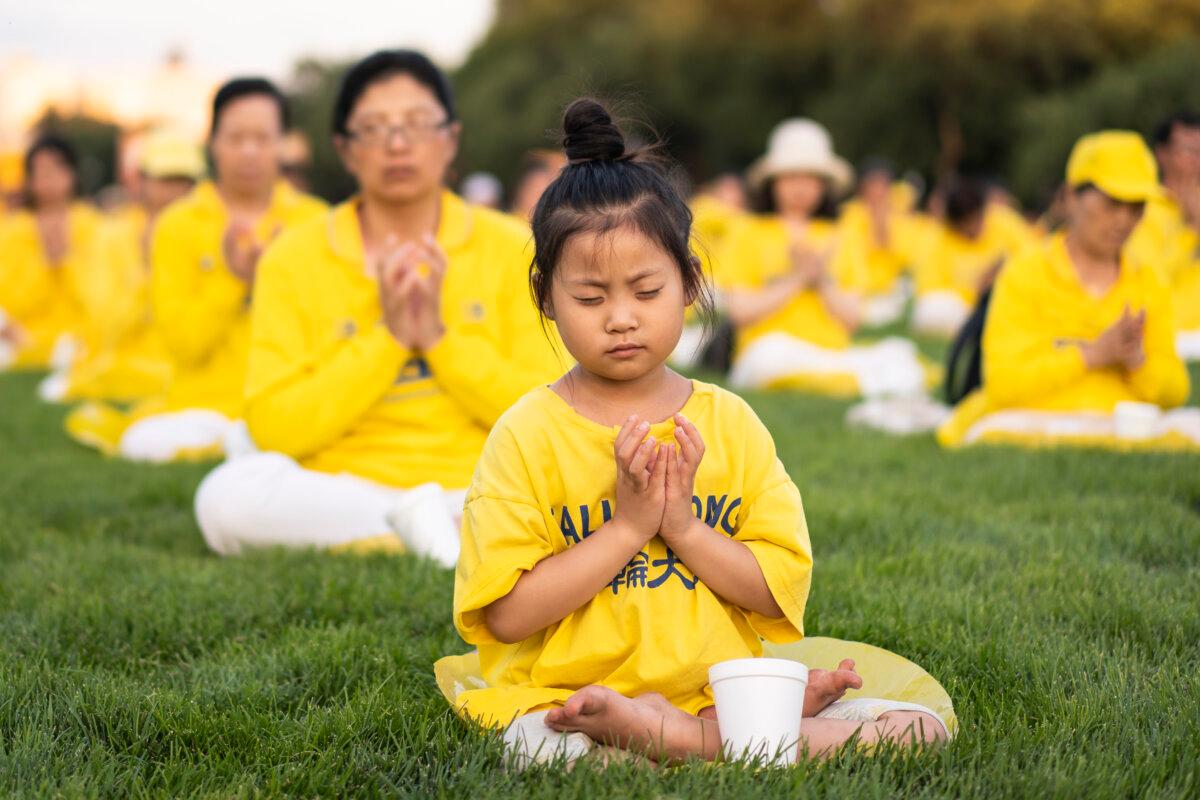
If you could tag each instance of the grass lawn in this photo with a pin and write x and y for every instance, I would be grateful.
(1056, 595)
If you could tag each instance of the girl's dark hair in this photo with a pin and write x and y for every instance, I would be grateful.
(247, 87)
(606, 185)
(50, 143)
(381, 66)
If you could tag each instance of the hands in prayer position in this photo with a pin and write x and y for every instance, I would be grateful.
(1121, 345)
(410, 291)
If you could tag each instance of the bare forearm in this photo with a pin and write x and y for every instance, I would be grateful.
(727, 567)
(562, 583)
(842, 305)
(748, 307)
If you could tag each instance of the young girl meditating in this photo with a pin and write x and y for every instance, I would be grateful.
(627, 528)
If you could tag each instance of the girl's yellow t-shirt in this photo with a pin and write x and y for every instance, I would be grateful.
(547, 480)
(756, 253)
(44, 298)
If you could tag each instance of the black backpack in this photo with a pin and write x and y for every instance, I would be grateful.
(964, 364)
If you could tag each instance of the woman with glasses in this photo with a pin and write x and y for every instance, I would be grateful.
(387, 338)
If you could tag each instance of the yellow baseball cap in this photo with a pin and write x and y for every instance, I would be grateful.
(166, 155)
(1117, 163)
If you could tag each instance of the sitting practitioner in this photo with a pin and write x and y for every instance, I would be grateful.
(962, 260)
(784, 277)
(45, 253)
(1079, 335)
(1169, 235)
(387, 338)
(204, 255)
(628, 528)
(122, 356)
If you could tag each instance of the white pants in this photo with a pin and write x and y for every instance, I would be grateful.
(1187, 343)
(163, 437)
(899, 415)
(1182, 421)
(939, 313)
(884, 309)
(887, 368)
(267, 499)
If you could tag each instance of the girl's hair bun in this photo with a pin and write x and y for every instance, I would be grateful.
(589, 134)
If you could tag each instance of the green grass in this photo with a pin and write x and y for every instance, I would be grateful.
(1055, 594)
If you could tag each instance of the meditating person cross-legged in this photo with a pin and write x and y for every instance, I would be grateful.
(786, 280)
(387, 338)
(1077, 328)
(204, 255)
(45, 254)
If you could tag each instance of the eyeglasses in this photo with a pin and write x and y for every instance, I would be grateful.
(417, 131)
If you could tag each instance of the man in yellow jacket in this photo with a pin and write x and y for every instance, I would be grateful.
(204, 254)
(122, 356)
(387, 338)
(1169, 235)
(1076, 327)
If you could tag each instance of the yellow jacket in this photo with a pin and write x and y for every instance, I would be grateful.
(122, 357)
(954, 263)
(1039, 314)
(756, 253)
(329, 386)
(41, 298)
(882, 264)
(1165, 241)
(201, 309)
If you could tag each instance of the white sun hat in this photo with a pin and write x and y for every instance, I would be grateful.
(802, 145)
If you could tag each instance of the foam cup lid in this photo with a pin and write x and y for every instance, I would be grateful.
(758, 667)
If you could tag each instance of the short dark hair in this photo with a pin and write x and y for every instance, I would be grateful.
(606, 185)
(52, 143)
(382, 65)
(1166, 128)
(965, 197)
(246, 87)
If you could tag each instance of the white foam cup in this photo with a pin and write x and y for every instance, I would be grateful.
(760, 702)
(1136, 420)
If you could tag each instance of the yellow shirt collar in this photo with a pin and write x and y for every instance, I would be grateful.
(208, 200)
(345, 236)
(1064, 270)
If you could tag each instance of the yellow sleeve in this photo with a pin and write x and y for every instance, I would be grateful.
(932, 269)
(193, 306)
(302, 395)
(486, 373)
(773, 527)
(109, 288)
(1163, 378)
(24, 287)
(504, 535)
(736, 264)
(849, 267)
(1021, 359)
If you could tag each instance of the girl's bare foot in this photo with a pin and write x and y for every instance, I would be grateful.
(648, 724)
(827, 686)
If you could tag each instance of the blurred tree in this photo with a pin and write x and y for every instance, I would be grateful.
(932, 84)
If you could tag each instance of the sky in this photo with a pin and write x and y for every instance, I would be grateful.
(235, 36)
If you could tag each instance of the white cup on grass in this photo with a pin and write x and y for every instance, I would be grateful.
(760, 702)
(1136, 421)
